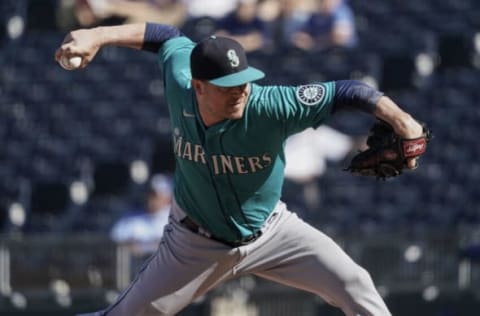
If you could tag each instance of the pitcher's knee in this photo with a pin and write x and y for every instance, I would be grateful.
(363, 297)
(361, 281)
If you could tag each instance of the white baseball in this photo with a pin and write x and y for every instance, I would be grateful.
(70, 63)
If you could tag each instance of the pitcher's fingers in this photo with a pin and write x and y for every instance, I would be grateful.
(66, 47)
(58, 54)
(412, 163)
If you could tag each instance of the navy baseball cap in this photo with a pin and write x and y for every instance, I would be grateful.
(222, 62)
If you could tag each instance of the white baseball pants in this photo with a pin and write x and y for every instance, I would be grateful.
(289, 251)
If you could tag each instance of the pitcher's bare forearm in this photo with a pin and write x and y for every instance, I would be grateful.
(146, 36)
(402, 122)
(128, 35)
(87, 42)
(355, 95)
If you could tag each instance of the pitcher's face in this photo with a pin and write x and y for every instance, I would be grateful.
(217, 104)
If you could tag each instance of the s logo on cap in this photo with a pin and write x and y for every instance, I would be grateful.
(233, 58)
(223, 62)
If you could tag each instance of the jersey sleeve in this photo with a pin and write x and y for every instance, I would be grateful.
(296, 108)
(174, 61)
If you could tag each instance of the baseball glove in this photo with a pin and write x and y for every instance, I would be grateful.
(387, 152)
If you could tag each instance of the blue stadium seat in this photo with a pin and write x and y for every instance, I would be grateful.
(398, 72)
(111, 177)
(47, 206)
(4, 217)
(455, 50)
(163, 159)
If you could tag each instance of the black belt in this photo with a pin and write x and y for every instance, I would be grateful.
(193, 227)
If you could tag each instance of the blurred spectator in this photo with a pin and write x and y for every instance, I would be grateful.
(307, 153)
(285, 19)
(143, 229)
(244, 25)
(331, 25)
(212, 8)
(89, 13)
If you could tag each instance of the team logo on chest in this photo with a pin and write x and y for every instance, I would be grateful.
(233, 58)
(310, 94)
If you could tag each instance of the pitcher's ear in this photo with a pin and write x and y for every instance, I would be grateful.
(198, 86)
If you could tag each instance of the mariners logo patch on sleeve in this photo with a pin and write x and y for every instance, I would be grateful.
(310, 94)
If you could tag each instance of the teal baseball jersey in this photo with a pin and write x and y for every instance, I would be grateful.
(229, 176)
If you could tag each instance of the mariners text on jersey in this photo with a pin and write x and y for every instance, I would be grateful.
(221, 163)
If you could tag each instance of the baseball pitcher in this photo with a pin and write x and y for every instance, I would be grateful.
(229, 133)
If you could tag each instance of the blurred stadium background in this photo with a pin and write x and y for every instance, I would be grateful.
(77, 147)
